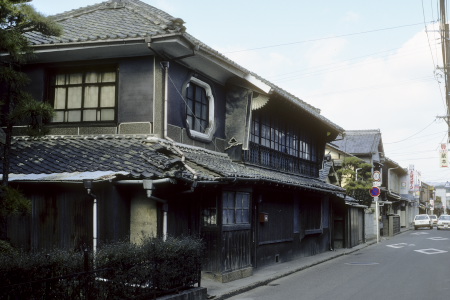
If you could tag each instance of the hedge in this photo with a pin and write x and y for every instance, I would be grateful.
(118, 271)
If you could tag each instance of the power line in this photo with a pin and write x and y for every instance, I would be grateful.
(335, 63)
(428, 37)
(398, 152)
(326, 38)
(365, 88)
(413, 134)
(409, 153)
(327, 68)
(418, 142)
(431, 51)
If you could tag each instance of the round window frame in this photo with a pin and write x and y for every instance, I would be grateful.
(206, 136)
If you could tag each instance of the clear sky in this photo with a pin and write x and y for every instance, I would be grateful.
(365, 64)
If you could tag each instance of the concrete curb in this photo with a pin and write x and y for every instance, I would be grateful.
(319, 260)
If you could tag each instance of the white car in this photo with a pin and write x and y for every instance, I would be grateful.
(422, 220)
(443, 222)
(434, 219)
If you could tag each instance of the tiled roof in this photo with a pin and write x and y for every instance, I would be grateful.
(360, 141)
(132, 19)
(139, 157)
(110, 20)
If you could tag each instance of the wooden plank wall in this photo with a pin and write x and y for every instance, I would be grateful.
(213, 260)
(280, 226)
(236, 249)
(356, 226)
(62, 217)
(62, 220)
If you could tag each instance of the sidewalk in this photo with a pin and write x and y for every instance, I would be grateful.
(262, 276)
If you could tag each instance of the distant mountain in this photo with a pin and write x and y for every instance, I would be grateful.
(439, 184)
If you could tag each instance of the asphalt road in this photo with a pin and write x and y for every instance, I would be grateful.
(412, 265)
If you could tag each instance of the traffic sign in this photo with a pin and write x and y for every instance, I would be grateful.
(375, 191)
(376, 183)
(376, 176)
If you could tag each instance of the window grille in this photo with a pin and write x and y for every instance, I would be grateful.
(84, 96)
(280, 145)
(236, 208)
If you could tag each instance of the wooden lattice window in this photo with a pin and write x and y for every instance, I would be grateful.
(236, 208)
(199, 109)
(84, 95)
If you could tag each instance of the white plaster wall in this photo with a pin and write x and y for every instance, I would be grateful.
(143, 219)
(370, 224)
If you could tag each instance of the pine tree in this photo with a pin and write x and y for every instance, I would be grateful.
(18, 17)
(356, 178)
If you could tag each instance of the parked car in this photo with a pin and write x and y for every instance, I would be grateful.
(434, 219)
(443, 222)
(422, 220)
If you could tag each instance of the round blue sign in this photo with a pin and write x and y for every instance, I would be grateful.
(375, 191)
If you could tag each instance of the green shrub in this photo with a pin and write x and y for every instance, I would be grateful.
(13, 202)
(122, 271)
(155, 265)
(26, 273)
(6, 248)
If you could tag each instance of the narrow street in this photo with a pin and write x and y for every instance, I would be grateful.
(412, 265)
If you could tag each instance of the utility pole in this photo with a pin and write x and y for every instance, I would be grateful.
(444, 31)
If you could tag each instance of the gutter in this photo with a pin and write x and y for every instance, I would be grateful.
(234, 179)
(136, 182)
(89, 44)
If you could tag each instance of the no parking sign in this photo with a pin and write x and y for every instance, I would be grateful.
(375, 191)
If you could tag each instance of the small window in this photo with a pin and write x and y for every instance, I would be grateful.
(312, 213)
(84, 96)
(209, 212)
(236, 208)
(199, 110)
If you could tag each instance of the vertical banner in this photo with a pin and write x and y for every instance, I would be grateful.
(411, 178)
(443, 156)
(418, 182)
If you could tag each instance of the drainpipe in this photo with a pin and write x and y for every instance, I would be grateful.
(94, 225)
(165, 65)
(149, 186)
(88, 186)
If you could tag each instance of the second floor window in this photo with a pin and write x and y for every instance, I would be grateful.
(275, 134)
(84, 96)
(278, 143)
(199, 109)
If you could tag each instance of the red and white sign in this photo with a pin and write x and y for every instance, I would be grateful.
(443, 156)
(375, 191)
(411, 177)
(376, 176)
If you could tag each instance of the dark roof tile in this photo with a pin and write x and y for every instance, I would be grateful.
(360, 141)
(140, 157)
(115, 19)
